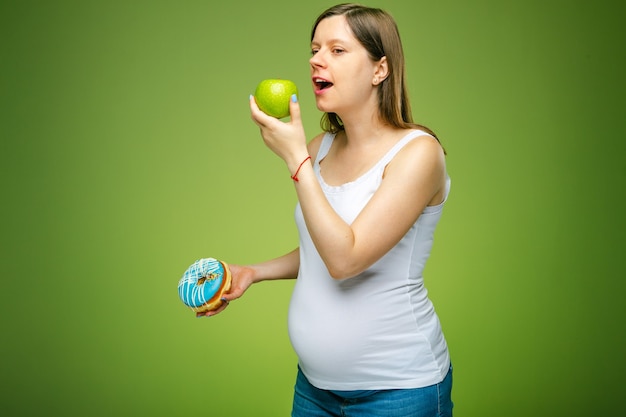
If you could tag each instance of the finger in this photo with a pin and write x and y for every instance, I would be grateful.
(294, 109)
(212, 313)
(218, 310)
(253, 106)
(258, 116)
(224, 303)
(233, 293)
(228, 297)
(254, 109)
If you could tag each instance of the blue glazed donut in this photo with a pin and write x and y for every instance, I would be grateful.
(203, 284)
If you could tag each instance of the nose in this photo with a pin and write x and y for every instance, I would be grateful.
(317, 60)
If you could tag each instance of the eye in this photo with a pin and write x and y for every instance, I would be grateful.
(314, 51)
(338, 51)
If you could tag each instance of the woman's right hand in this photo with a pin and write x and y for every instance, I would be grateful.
(242, 277)
(285, 139)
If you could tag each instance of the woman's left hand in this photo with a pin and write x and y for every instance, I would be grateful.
(285, 139)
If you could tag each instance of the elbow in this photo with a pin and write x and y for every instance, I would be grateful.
(344, 265)
(338, 275)
(342, 271)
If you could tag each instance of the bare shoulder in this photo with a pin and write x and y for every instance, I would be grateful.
(420, 165)
(424, 150)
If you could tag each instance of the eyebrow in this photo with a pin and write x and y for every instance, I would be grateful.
(331, 41)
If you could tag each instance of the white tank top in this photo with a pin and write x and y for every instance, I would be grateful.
(377, 330)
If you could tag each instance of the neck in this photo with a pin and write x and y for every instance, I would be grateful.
(365, 130)
(363, 123)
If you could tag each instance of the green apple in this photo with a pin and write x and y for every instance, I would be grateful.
(273, 96)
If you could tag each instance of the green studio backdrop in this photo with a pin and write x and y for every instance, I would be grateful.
(127, 152)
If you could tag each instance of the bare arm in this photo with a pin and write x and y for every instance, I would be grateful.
(283, 267)
(413, 180)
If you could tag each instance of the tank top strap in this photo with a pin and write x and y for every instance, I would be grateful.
(399, 145)
(327, 141)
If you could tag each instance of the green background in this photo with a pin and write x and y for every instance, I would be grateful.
(127, 152)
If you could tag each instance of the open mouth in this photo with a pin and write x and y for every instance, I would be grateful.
(322, 84)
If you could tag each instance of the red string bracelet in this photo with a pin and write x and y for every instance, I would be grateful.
(295, 176)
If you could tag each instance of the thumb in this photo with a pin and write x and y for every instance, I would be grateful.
(294, 109)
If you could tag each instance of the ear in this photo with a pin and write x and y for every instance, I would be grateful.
(381, 71)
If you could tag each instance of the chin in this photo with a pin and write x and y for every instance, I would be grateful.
(323, 107)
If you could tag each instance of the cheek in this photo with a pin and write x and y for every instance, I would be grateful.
(361, 82)
(363, 75)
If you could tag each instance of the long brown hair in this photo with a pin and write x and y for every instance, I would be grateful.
(377, 31)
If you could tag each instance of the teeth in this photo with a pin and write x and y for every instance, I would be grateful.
(322, 83)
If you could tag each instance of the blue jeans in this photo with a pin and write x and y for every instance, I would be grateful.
(432, 401)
